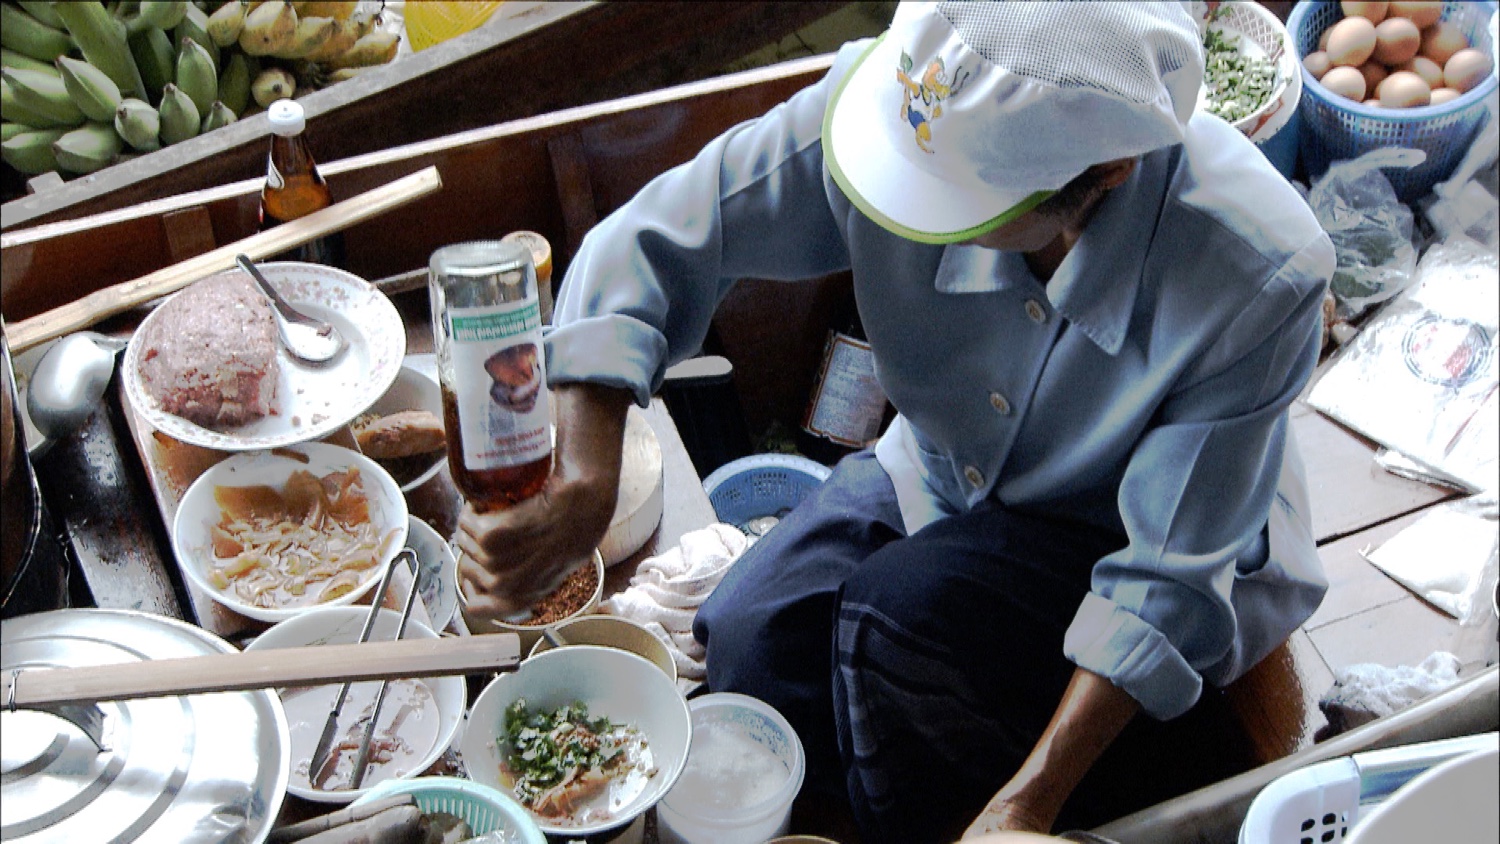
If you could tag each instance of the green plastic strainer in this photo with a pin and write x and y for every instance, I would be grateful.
(484, 809)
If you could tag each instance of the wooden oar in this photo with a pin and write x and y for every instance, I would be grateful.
(38, 688)
(112, 300)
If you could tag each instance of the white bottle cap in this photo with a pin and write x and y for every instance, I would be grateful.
(287, 117)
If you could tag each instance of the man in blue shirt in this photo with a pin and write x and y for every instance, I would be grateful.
(1091, 306)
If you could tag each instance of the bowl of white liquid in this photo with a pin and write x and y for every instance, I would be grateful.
(744, 768)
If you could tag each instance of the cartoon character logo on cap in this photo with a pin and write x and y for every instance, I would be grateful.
(923, 102)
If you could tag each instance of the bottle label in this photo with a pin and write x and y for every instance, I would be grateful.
(504, 411)
(848, 403)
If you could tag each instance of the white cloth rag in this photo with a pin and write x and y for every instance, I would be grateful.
(1361, 693)
(665, 592)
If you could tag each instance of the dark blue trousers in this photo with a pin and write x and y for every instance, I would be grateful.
(918, 671)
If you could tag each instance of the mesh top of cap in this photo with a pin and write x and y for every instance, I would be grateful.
(1122, 49)
(287, 117)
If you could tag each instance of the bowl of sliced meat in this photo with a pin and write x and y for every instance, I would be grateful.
(586, 737)
(271, 534)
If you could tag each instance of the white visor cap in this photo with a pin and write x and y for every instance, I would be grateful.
(965, 115)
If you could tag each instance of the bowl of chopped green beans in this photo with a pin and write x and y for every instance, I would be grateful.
(1251, 76)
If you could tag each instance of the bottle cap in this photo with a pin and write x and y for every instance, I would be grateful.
(287, 117)
(540, 249)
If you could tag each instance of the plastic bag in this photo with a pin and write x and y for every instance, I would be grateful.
(1370, 228)
(1421, 377)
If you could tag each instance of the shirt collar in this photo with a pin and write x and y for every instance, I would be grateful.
(1096, 285)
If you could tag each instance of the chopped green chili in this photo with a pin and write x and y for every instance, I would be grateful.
(1238, 85)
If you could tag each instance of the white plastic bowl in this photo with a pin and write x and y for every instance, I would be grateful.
(197, 513)
(338, 626)
(621, 686)
(1453, 802)
(744, 770)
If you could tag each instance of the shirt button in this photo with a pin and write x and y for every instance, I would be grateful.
(999, 403)
(974, 476)
(1034, 310)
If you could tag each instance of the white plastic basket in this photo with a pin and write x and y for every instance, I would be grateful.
(1321, 803)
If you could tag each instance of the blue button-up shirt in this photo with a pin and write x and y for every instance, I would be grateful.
(1144, 388)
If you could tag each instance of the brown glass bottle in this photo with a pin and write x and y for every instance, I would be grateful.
(294, 188)
(487, 332)
(847, 407)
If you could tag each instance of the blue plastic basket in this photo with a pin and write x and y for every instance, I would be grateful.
(762, 485)
(1336, 129)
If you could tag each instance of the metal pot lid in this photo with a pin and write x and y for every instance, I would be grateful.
(199, 768)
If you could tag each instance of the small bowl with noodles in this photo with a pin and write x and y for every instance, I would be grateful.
(270, 534)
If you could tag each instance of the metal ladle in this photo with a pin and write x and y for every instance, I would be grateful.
(69, 381)
(306, 338)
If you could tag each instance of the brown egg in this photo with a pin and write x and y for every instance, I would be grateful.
(1374, 73)
(1466, 69)
(1444, 95)
(1317, 64)
(1375, 12)
(1351, 42)
(1396, 40)
(1346, 82)
(1323, 39)
(1430, 71)
(1404, 89)
(1441, 40)
(1423, 14)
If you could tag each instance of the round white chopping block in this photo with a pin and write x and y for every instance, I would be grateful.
(638, 507)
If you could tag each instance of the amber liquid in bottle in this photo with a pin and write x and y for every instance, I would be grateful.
(294, 188)
(489, 489)
(491, 370)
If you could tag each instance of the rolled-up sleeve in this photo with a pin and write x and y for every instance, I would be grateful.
(1194, 503)
(641, 292)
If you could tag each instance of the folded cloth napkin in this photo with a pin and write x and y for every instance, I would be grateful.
(666, 591)
(1361, 693)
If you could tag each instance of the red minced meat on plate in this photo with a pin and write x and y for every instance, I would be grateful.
(209, 355)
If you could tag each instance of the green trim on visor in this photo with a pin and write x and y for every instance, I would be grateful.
(1009, 215)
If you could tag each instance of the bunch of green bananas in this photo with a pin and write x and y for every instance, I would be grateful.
(86, 83)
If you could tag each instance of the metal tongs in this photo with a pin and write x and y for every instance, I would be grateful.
(330, 727)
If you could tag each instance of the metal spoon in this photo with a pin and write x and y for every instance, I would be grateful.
(69, 381)
(306, 338)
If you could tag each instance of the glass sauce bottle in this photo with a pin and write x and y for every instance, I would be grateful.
(294, 187)
(487, 331)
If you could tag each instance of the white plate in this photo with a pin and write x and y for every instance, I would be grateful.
(437, 575)
(311, 402)
(198, 513)
(305, 716)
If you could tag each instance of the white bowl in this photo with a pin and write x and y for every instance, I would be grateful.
(621, 686)
(413, 390)
(307, 709)
(198, 512)
(437, 575)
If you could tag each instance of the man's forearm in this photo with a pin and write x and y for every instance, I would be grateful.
(1090, 715)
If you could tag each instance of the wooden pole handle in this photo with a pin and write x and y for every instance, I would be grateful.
(112, 300)
(280, 668)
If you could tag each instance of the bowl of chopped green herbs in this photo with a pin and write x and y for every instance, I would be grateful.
(585, 737)
(1251, 76)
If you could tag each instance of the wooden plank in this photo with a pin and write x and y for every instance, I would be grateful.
(1403, 632)
(499, 179)
(524, 61)
(1350, 492)
(1353, 584)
